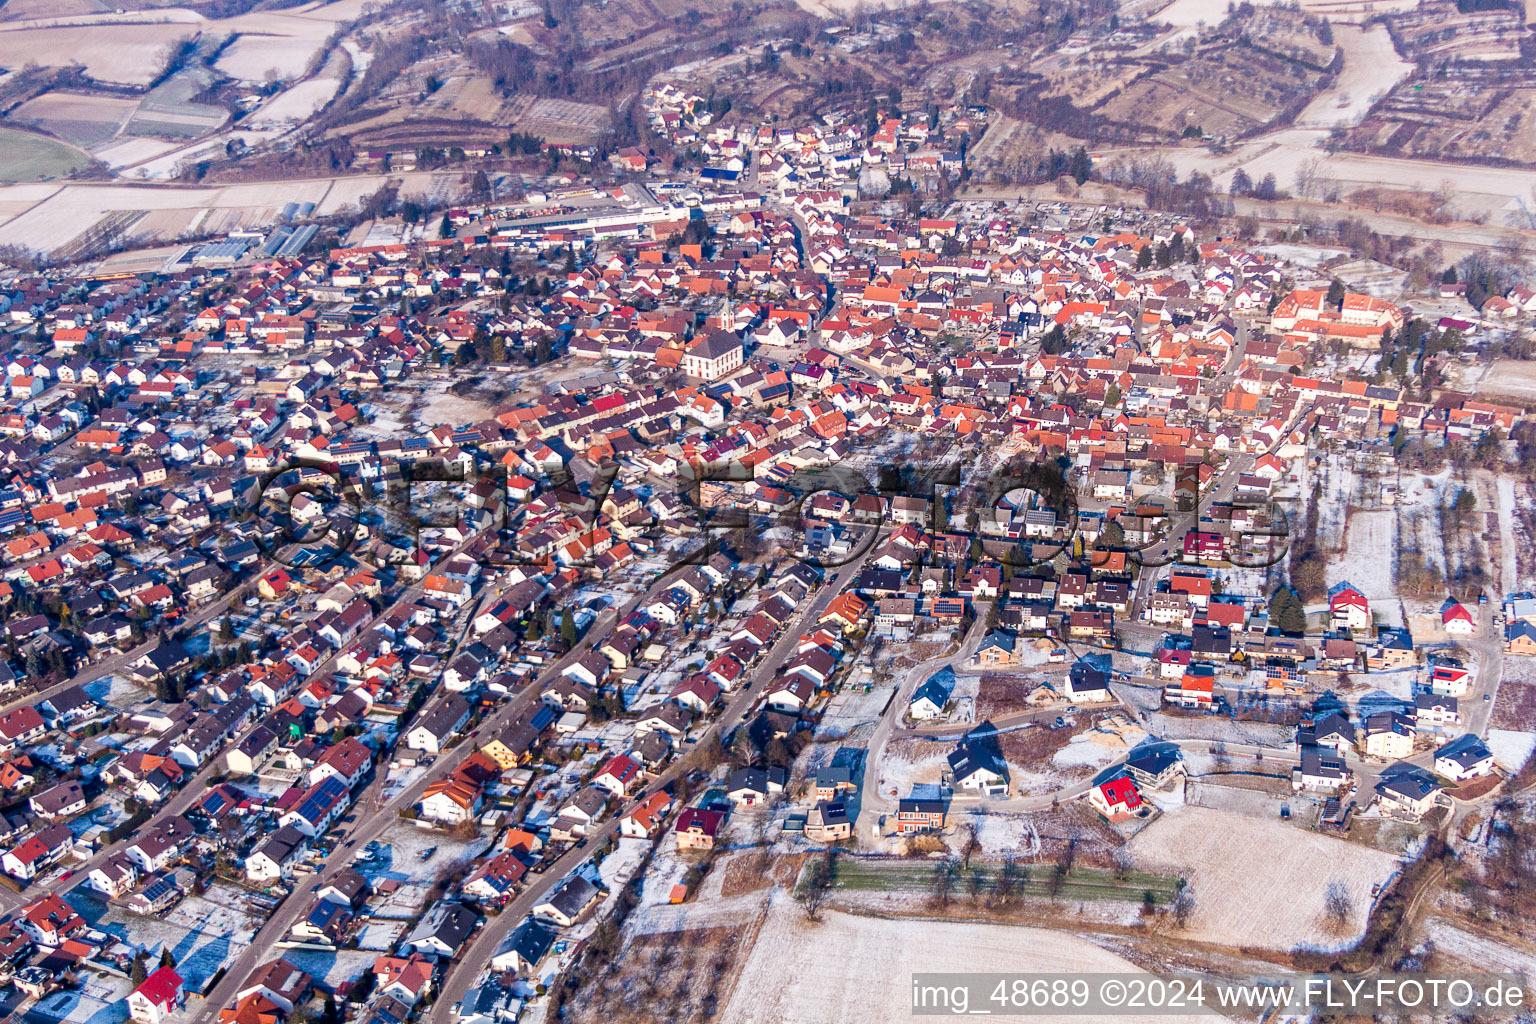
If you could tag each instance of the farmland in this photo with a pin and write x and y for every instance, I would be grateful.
(834, 957)
(1232, 860)
(28, 157)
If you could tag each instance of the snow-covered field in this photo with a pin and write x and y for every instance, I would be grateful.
(1483, 953)
(857, 969)
(1369, 554)
(1511, 749)
(1371, 68)
(1259, 882)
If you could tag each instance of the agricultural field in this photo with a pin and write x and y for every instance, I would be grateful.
(1509, 378)
(168, 110)
(28, 157)
(1232, 861)
(833, 961)
(133, 49)
(82, 120)
(564, 121)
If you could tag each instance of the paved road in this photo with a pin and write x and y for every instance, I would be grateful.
(374, 815)
(872, 802)
(467, 968)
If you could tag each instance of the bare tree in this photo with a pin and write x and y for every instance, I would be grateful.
(1221, 761)
(970, 844)
(1010, 881)
(942, 887)
(1122, 861)
(816, 884)
(1183, 904)
(1337, 904)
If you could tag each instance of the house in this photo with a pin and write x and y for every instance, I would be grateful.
(273, 860)
(280, 982)
(525, 947)
(1431, 710)
(915, 814)
(618, 774)
(59, 803)
(751, 787)
(696, 828)
(325, 923)
(712, 356)
(976, 769)
(1465, 757)
(1388, 735)
(442, 931)
(157, 997)
(566, 904)
(407, 979)
(452, 801)
(1408, 792)
(115, 878)
(1087, 684)
(346, 888)
(928, 700)
(1456, 619)
(645, 819)
(434, 727)
(1319, 772)
(495, 878)
(50, 921)
(1332, 731)
(1348, 607)
(319, 807)
(1155, 767)
(1116, 799)
(828, 822)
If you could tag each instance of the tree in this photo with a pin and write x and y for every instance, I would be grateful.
(970, 844)
(1081, 166)
(941, 890)
(815, 884)
(1286, 612)
(568, 627)
(1335, 297)
(1337, 904)
(1183, 904)
(1221, 763)
(1242, 185)
(1010, 881)
(1144, 257)
(1268, 190)
(166, 960)
(137, 973)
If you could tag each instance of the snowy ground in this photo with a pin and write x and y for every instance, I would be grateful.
(1511, 749)
(1369, 555)
(911, 762)
(862, 966)
(330, 969)
(400, 850)
(203, 933)
(1259, 882)
(1480, 952)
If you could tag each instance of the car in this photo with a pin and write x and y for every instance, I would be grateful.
(1487, 696)
(66, 876)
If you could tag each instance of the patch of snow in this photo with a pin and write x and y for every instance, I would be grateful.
(1511, 749)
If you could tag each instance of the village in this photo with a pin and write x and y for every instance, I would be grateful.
(403, 630)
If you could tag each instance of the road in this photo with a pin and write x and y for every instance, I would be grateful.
(872, 802)
(477, 956)
(371, 823)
